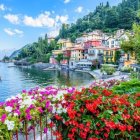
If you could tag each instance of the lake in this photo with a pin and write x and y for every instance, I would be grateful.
(15, 79)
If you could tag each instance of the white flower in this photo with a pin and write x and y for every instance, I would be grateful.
(10, 124)
(15, 114)
(13, 98)
(27, 101)
(39, 94)
(22, 106)
(19, 96)
(41, 89)
(8, 109)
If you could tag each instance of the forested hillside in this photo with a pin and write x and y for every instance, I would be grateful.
(39, 51)
(105, 17)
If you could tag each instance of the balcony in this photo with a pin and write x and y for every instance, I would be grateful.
(108, 56)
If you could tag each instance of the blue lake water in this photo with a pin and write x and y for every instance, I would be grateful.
(15, 79)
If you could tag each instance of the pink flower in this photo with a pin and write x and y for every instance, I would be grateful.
(45, 130)
(40, 109)
(28, 117)
(47, 104)
(3, 118)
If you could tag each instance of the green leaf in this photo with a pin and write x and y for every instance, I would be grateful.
(112, 134)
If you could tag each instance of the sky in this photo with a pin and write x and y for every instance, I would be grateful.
(23, 21)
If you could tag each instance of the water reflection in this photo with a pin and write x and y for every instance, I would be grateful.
(15, 79)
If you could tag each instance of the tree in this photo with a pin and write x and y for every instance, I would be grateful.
(59, 58)
(6, 58)
(107, 4)
(117, 56)
(111, 20)
(126, 18)
(133, 45)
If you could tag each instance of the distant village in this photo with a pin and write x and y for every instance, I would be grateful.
(92, 49)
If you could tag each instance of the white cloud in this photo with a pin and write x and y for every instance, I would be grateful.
(42, 20)
(66, 1)
(17, 31)
(12, 18)
(13, 32)
(79, 9)
(53, 33)
(62, 19)
(2, 7)
(9, 31)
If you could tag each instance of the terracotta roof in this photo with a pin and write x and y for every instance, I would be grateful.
(109, 49)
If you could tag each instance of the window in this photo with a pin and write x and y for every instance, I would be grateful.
(106, 52)
(111, 53)
(112, 42)
(128, 57)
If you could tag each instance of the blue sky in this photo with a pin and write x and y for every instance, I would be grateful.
(23, 21)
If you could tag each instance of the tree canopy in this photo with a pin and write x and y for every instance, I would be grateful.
(105, 18)
(133, 45)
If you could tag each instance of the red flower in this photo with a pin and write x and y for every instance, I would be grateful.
(106, 135)
(93, 139)
(106, 92)
(137, 104)
(83, 135)
(97, 132)
(126, 116)
(71, 113)
(73, 130)
(51, 124)
(88, 124)
(122, 127)
(58, 117)
(129, 127)
(110, 124)
(70, 135)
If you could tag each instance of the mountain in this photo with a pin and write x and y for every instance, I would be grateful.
(16, 53)
(106, 18)
(5, 53)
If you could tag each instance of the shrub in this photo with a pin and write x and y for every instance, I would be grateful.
(131, 86)
(126, 69)
(109, 70)
(99, 114)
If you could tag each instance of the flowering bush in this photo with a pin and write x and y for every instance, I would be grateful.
(26, 109)
(93, 113)
(99, 114)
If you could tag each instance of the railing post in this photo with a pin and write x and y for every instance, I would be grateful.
(46, 127)
(34, 131)
(26, 133)
(51, 132)
(40, 128)
(17, 134)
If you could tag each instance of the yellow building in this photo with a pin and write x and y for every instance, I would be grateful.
(50, 39)
(77, 52)
(109, 54)
(129, 59)
(65, 43)
(56, 52)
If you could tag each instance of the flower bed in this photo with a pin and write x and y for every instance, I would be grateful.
(93, 113)
(29, 110)
(98, 114)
